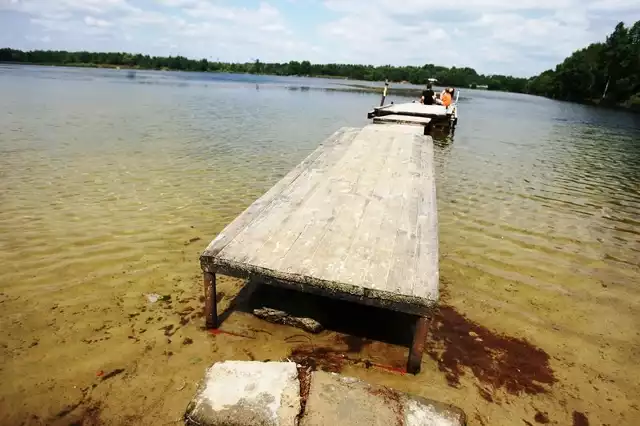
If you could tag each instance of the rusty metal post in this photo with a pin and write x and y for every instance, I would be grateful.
(210, 302)
(417, 346)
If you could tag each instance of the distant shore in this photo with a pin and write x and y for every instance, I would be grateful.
(356, 88)
(632, 105)
(586, 77)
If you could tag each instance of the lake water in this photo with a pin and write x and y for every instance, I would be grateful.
(105, 179)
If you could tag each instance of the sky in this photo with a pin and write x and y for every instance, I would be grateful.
(513, 37)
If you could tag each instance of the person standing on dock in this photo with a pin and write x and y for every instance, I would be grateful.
(428, 96)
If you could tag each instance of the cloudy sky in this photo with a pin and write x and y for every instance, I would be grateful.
(519, 37)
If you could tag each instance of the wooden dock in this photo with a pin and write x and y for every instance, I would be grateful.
(415, 109)
(427, 116)
(401, 119)
(356, 220)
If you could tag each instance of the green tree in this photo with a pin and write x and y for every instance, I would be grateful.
(258, 67)
(608, 72)
(305, 68)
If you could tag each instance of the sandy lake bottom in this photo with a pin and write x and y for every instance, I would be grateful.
(105, 203)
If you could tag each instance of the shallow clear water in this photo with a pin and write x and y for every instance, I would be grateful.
(98, 169)
(107, 182)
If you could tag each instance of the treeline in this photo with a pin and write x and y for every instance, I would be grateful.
(458, 77)
(607, 73)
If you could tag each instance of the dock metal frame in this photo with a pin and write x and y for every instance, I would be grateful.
(423, 314)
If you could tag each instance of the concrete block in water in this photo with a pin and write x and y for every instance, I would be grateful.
(247, 393)
(337, 400)
(242, 393)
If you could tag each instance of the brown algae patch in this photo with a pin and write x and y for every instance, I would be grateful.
(304, 377)
(347, 350)
(579, 419)
(455, 342)
(542, 418)
(318, 358)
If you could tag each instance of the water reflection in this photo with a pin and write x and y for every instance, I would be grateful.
(444, 143)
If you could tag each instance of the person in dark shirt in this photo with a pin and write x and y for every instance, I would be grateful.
(428, 96)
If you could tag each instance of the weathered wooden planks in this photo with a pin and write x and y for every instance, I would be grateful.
(242, 221)
(414, 109)
(401, 119)
(355, 220)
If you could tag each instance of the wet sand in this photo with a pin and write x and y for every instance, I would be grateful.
(113, 357)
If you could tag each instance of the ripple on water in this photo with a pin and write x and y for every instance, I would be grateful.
(549, 197)
(110, 189)
(555, 207)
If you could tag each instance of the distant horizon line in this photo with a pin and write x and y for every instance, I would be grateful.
(218, 61)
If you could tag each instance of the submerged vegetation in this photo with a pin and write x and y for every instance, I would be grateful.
(607, 73)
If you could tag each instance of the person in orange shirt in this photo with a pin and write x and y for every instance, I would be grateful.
(446, 97)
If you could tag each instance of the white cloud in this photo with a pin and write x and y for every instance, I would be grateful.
(66, 7)
(264, 14)
(412, 7)
(494, 36)
(45, 39)
(140, 17)
(239, 33)
(52, 24)
(93, 22)
(515, 30)
(96, 6)
(178, 3)
(615, 5)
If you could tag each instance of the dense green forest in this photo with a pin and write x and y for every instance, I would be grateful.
(607, 72)
(458, 77)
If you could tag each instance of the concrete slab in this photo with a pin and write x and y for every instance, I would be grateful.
(239, 393)
(337, 400)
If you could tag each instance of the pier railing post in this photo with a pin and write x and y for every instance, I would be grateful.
(417, 346)
(384, 92)
(210, 302)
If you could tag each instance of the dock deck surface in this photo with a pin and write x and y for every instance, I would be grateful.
(414, 109)
(355, 220)
(401, 119)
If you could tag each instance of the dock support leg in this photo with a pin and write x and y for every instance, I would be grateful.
(210, 302)
(417, 346)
